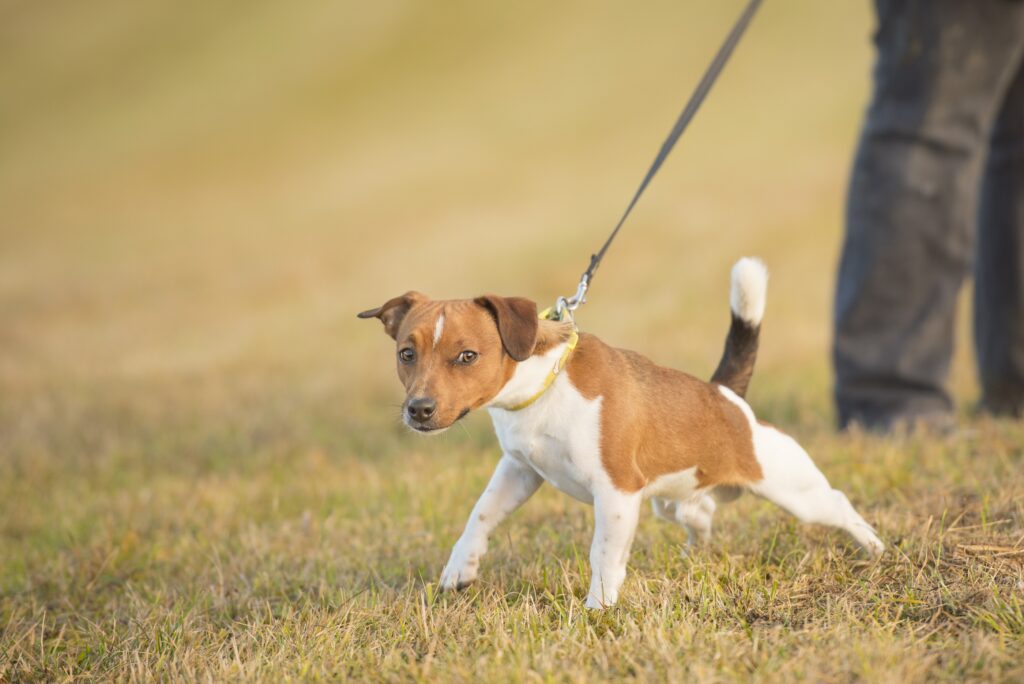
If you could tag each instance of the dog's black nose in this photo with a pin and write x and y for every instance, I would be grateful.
(421, 410)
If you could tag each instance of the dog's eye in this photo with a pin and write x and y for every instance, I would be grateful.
(407, 355)
(466, 357)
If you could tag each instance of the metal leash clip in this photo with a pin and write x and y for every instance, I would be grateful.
(567, 306)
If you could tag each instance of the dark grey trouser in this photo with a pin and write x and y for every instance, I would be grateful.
(946, 121)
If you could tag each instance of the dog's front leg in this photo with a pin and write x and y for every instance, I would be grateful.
(510, 486)
(615, 518)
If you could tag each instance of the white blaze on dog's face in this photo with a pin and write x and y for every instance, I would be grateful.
(455, 356)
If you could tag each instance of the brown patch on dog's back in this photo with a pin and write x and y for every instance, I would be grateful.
(656, 421)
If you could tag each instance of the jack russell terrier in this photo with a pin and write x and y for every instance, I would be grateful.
(604, 425)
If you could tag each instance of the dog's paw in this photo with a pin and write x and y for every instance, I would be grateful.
(600, 596)
(600, 602)
(453, 579)
(867, 538)
(462, 567)
(874, 546)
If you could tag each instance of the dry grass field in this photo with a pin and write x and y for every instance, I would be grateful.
(201, 472)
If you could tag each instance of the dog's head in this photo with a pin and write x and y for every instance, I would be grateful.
(455, 356)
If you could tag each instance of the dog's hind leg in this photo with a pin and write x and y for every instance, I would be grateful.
(510, 486)
(694, 515)
(792, 481)
(664, 508)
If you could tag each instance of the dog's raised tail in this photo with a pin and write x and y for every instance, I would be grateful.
(746, 300)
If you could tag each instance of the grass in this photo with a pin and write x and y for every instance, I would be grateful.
(201, 474)
(269, 543)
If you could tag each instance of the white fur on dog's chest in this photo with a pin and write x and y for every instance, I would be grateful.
(558, 436)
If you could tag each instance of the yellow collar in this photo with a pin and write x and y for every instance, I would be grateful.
(553, 373)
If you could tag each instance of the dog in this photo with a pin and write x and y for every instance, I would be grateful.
(604, 425)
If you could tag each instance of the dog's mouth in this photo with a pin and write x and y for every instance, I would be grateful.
(426, 429)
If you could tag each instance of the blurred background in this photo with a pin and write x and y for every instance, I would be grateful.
(196, 198)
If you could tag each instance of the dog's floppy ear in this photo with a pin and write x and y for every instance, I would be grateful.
(393, 311)
(517, 323)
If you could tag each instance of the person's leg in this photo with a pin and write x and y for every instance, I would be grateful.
(999, 267)
(942, 68)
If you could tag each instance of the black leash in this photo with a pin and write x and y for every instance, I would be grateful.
(701, 92)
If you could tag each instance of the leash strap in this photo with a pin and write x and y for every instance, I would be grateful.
(708, 80)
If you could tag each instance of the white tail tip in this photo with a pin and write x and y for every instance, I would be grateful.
(749, 289)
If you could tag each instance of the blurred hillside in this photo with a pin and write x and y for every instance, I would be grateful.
(212, 190)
